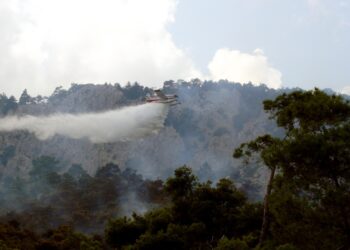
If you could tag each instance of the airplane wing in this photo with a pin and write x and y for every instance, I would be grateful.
(160, 94)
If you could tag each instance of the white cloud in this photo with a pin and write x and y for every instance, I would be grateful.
(241, 67)
(48, 43)
(44, 44)
(345, 90)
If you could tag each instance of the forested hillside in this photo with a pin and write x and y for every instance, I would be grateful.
(67, 181)
(201, 132)
(64, 193)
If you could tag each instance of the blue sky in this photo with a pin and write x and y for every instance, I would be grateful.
(308, 41)
(282, 43)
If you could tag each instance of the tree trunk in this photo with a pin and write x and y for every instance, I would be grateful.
(265, 223)
(344, 216)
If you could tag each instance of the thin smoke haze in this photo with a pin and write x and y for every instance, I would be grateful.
(115, 125)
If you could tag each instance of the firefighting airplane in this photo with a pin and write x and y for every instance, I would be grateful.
(160, 97)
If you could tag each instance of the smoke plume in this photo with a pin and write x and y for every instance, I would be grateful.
(115, 125)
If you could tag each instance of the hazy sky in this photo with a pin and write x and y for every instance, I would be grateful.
(44, 44)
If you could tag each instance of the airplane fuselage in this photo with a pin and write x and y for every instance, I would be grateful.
(160, 97)
(160, 100)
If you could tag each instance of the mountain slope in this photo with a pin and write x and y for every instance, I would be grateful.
(211, 121)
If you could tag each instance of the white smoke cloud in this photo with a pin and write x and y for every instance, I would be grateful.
(241, 67)
(116, 125)
(44, 44)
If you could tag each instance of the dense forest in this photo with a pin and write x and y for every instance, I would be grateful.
(213, 118)
(303, 151)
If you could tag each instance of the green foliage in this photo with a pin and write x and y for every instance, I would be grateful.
(124, 231)
(64, 237)
(182, 184)
(43, 166)
(77, 172)
(159, 241)
(7, 105)
(135, 91)
(299, 219)
(308, 111)
(159, 219)
(265, 145)
(232, 244)
(110, 170)
(8, 152)
(58, 95)
(308, 199)
(47, 198)
(309, 202)
(286, 247)
(3, 246)
(12, 236)
(197, 217)
(25, 98)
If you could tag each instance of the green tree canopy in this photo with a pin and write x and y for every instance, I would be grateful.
(313, 158)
